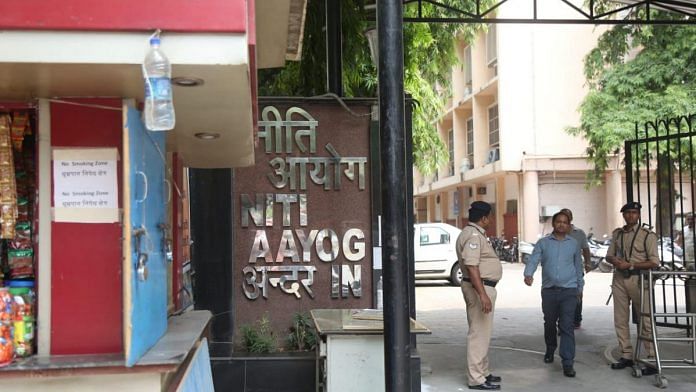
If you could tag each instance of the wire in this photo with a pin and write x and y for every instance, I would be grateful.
(343, 104)
(88, 105)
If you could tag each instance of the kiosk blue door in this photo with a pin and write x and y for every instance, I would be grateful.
(145, 270)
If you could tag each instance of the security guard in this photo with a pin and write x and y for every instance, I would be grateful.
(633, 249)
(481, 271)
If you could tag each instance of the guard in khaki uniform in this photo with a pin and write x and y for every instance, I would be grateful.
(482, 270)
(633, 250)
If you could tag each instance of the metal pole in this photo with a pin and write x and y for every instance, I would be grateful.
(629, 170)
(394, 233)
(334, 67)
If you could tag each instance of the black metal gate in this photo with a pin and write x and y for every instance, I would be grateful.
(660, 176)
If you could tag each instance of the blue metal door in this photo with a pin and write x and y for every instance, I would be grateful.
(145, 313)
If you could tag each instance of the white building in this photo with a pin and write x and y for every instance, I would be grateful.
(516, 89)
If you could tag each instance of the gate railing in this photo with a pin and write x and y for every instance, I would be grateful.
(660, 175)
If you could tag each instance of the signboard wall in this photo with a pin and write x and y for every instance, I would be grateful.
(302, 213)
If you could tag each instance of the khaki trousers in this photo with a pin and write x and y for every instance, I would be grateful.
(479, 336)
(626, 291)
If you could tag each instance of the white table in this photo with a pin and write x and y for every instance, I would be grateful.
(350, 353)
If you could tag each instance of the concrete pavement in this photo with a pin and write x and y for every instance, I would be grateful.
(517, 346)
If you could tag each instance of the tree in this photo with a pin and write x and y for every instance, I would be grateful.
(428, 60)
(637, 73)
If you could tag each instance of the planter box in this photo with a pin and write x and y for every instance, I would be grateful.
(275, 372)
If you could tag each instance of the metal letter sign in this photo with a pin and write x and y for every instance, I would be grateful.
(294, 181)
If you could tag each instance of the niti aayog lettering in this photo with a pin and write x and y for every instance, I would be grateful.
(290, 265)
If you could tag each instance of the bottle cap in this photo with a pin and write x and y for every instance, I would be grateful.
(154, 41)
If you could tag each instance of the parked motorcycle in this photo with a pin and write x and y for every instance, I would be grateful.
(505, 250)
(598, 253)
(668, 252)
(525, 250)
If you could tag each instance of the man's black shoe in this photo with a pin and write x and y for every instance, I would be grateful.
(486, 386)
(568, 371)
(648, 371)
(491, 378)
(622, 364)
(548, 357)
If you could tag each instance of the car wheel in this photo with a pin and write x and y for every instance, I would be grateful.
(456, 275)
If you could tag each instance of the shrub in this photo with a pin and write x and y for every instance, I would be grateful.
(302, 335)
(259, 337)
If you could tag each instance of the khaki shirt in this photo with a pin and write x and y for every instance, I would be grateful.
(474, 249)
(644, 245)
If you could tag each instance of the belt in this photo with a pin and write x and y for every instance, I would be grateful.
(629, 273)
(486, 282)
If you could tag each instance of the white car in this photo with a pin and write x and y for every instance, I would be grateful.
(434, 252)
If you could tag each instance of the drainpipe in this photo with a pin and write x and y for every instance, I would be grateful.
(334, 67)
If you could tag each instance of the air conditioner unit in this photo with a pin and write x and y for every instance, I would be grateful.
(549, 210)
(493, 155)
(465, 165)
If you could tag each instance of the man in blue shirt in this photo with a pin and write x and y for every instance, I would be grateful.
(561, 284)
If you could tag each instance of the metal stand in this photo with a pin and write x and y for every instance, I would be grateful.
(658, 362)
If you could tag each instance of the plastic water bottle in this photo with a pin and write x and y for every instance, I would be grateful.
(157, 72)
(380, 294)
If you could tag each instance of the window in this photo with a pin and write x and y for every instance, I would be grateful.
(433, 236)
(470, 141)
(493, 133)
(450, 147)
(491, 46)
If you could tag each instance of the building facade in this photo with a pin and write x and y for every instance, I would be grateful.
(515, 91)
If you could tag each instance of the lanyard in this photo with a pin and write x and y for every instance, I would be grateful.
(477, 229)
(483, 233)
(630, 251)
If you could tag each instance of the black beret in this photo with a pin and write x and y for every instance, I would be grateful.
(481, 206)
(633, 205)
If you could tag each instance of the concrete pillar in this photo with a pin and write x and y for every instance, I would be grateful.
(614, 199)
(530, 197)
(444, 206)
(500, 204)
(431, 208)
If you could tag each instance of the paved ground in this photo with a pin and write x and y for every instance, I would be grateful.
(518, 344)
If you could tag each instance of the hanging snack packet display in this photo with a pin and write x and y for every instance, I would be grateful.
(21, 263)
(8, 186)
(20, 122)
(22, 238)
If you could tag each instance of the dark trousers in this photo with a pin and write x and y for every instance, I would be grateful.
(558, 305)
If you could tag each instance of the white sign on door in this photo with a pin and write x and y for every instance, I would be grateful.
(85, 185)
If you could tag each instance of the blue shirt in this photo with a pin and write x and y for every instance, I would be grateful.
(561, 265)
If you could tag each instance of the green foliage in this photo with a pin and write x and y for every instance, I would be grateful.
(428, 60)
(259, 338)
(302, 335)
(659, 82)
